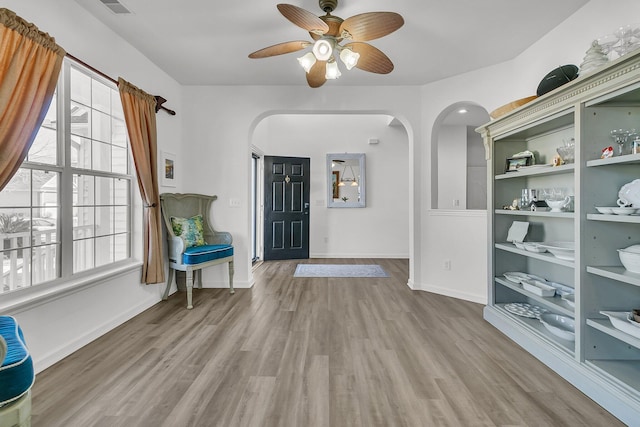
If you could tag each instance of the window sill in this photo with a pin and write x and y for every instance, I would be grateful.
(33, 297)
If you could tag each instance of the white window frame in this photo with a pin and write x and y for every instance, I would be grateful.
(70, 282)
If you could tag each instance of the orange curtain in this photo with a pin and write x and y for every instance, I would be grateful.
(140, 116)
(30, 63)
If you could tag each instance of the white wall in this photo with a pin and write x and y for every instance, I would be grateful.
(381, 229)
(452, 167)
(219, 126)
(492, 87)
(56, 328)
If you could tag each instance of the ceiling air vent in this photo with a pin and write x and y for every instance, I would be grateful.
(115, 6)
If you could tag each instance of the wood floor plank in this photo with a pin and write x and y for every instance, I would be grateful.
(326, 352)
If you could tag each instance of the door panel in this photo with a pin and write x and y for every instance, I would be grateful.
(286, 208)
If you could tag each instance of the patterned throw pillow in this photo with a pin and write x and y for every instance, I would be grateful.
(191, 230)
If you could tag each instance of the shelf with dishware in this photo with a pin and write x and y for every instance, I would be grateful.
(555, 303)
(535, 326)
(538, 213)
(589, 129)
(545, 256)
(605, 326)
(616, 348)
(628, 159)
(537, 171)
(618, 273)
(630, 219)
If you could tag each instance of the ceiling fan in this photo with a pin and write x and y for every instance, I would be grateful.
(329, 31)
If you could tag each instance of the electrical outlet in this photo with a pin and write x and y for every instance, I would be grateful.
(447, 264)
(456, 203)
(234, 203)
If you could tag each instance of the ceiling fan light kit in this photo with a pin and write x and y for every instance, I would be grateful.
(349, 58)
(333, 72)
(329, 31)
(307, 61)
(322, 49)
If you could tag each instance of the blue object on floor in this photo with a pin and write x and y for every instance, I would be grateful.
(16, 371)
(340, 270)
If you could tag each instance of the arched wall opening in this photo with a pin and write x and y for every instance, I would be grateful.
(384, 228)
(458, 169)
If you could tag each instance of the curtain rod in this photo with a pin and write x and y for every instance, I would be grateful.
(159, 100)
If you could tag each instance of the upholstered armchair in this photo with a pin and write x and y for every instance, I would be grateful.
(193, 243)
(16, 375)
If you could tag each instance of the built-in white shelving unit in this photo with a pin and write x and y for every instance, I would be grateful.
(602, 361)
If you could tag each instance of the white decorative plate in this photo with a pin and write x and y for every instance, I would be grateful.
(515, 276)
(534, 247)
(561, 250)
(620, 321)
(525, 310)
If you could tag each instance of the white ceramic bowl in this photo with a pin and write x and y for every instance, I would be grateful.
(561, 326)
(604, 209)
(557, 205)
(630, 258)
(561, 250)
(624, 210)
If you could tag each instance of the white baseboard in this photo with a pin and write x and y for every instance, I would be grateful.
(480, 299)
(60, 353)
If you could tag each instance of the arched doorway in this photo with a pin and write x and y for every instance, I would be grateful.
(382, 229)
(458, 166)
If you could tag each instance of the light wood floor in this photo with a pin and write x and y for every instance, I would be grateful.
(305, 352)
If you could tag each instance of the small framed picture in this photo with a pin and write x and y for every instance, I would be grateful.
(515, 163)
(168, 170)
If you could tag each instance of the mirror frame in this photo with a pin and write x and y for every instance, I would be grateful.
(362, 184)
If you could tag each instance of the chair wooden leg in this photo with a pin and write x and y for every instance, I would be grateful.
(199, 273)
(169, 281)
(189, 280)
(231, 290)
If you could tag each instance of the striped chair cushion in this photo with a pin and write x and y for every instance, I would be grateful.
(16, 371)
(200, 254)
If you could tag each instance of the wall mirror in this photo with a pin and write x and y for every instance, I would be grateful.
(346, 180)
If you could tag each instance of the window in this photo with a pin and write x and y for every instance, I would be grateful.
(67, 209)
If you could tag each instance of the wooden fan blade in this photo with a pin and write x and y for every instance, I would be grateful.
(303, 18)
(370, 26)
(280, 49)
(371, 59)
(316, 75)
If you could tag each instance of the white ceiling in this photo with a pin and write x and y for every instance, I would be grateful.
(206, 42)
